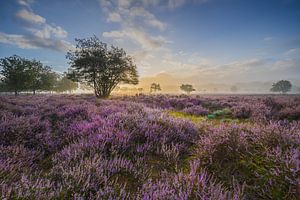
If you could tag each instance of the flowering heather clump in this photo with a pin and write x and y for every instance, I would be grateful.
(80, 147)
(196, 110)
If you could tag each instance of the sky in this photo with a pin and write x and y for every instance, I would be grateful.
(210, 40)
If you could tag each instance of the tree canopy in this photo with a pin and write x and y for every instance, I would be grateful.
(187, 88)
(282, 86)
(14, 73)
(20, 74)
(103, 68)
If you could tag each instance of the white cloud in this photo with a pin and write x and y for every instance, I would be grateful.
(141, 31)
(135, 22)
(14, 39)
(138, 37)
(25, 2)
(32, 42)
(114, 17)
(30, 17)
(293, 52)
(175, 3)
(130, 13)
(47, 31)
(41, 34)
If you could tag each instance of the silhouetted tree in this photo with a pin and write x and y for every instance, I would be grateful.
(155, 87)
(187, 88)
(14, 72)
(282, 86)
(100, 67)
(233, 89)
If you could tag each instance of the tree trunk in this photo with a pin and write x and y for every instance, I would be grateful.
(33, 92)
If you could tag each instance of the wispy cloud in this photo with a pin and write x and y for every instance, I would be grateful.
(138, 37)
(25, 3)
(47, 31)
(293, 52)
(41, 34)
(30, 17)
(33, 42)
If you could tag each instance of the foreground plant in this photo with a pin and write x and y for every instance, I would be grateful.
(80, 147)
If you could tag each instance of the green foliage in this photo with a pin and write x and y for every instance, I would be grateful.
(187, 88)
(282, 86)
(20, 74)
(40, 77)
(48, 80)
(102, 68)
(14, 72)
(222, 114)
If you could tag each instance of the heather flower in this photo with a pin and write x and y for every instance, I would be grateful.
(80, 147)
(195, 110)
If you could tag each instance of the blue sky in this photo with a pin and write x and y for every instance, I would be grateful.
(215, 40)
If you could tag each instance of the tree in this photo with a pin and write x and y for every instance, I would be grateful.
(282, 86)
(40, 77)
(103, 68)
(65, 84)
(233, 89)
(155, 87)
(14, 72)
(20, 74)
(187, 88)
(49, 80)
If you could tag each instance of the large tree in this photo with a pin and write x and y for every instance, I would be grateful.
(282, 86)
(103, 68)
(187, 88)
(14, 71)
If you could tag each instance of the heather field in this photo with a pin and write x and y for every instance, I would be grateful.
(149, 147)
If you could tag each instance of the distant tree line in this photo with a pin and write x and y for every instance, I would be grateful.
(19, 74)
(92, 64)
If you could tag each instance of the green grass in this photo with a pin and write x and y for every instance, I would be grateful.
(217, 116)
(182, 115)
